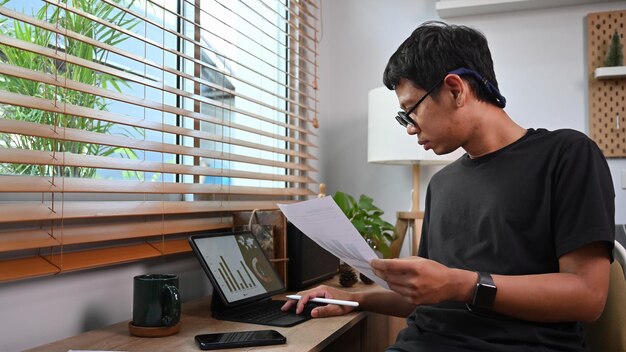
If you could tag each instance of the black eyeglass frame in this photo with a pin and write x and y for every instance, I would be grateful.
(404, 118)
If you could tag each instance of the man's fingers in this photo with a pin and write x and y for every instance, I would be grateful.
(287, 305)
(379, 264)
(394, 266)
(305, 296)
(301, 303)
(380, 268)
(326, 311)
(389, 266)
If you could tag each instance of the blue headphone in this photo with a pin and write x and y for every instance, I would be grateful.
(491, 88)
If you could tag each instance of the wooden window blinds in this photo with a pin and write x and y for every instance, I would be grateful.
(125, 125)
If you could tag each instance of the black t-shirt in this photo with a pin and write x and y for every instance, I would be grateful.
(512, 212)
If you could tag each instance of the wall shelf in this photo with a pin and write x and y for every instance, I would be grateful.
(610, 72)
(454, 8)
(606, 85)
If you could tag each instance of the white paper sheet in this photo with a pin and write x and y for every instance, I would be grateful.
(322, 220)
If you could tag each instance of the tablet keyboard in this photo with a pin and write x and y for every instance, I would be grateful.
(270, 310)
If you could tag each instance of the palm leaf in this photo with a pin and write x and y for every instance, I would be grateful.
(32, 34)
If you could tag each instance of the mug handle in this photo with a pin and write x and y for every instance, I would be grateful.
(171, 305)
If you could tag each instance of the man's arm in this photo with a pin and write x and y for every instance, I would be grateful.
(382, 301)
(576, 293)
(385, 302)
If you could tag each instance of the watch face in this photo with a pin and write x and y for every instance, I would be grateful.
(484, 295)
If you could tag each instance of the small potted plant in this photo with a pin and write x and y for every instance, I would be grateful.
(615, 55)
(366, 218)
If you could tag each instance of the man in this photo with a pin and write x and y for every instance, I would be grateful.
(517, 235)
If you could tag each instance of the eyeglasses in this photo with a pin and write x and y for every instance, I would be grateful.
(405, 119)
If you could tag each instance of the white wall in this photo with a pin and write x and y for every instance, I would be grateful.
(358, 38)
(37, 311)
(539, 61)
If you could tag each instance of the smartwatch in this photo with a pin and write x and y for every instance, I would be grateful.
(484, 293)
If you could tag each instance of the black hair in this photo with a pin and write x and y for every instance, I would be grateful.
(436, 48)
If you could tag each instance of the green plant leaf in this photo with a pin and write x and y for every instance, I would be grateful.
(366, 218)
(384, 250)
(366, 203)
(343, 202)
(390, 236)
(360, 225)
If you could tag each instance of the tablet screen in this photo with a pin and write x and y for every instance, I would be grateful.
(237, 265)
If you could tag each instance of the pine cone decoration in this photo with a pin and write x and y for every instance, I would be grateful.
(366, 280)
(347, 276)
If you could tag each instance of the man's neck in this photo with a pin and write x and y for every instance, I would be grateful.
(493, 131)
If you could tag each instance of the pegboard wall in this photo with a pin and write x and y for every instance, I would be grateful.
(607, 96)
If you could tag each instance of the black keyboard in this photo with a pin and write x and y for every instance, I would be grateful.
(266, 312)
(269, 311)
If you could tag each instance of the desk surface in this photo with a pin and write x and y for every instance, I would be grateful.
(312, 335)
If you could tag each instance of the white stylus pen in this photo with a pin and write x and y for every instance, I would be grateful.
(327, 300)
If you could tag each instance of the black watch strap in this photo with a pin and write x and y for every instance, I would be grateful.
(484, 293)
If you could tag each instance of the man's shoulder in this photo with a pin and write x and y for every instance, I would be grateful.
(564, 138)
(560, 134)
(565, 146)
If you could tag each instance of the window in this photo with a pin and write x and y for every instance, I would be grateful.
(127, 124)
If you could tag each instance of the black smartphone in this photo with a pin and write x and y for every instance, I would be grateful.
(240, 339)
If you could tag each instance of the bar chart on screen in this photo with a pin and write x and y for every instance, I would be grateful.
(235, 277)
(235, 267)
(241, 281)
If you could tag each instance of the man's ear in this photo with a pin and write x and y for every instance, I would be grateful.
(457, 88)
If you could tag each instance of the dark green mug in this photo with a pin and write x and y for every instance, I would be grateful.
(156, 300)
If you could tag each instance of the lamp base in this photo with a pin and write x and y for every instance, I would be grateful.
(406, 219)
(413, 218)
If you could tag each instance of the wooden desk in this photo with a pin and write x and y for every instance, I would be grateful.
(357, 331)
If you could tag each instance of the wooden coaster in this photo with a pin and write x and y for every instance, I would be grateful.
(157, 331)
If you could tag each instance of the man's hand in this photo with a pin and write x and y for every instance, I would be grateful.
(324, 292)
(424, 281)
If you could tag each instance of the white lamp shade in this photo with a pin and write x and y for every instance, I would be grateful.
(388, 142)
